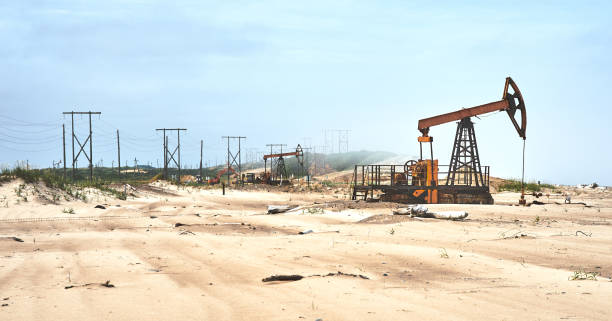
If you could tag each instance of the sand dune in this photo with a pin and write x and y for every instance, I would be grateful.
(502, 263)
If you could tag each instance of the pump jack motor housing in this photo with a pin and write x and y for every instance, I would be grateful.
(464, 180)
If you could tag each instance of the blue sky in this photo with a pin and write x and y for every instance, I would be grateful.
(279, 71)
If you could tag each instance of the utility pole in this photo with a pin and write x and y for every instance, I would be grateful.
(82, 146)
(233, 157)
(118, 155)
(314, 170)
(343, 138)
(201, 153)
(329, 141)
(64, 147)
(168, 156)
(90, 151)
(322, 150)
(73, 161)
(165, 156)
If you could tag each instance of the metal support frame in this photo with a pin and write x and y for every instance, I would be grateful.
(64, 147)
(118, 155)
(464, 168)
(395, 182)
(277, 164)
(201, 154)
(234, 158)
(82, 145)
(169, 156)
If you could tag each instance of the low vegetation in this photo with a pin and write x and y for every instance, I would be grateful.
(53, 180)
(443, 253)
(582, 275)
(514, 185)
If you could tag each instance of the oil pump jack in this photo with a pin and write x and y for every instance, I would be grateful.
(466, 181)
(278, 173)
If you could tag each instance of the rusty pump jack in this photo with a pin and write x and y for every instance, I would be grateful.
(465, 160)
(467, 181)
(278, 172)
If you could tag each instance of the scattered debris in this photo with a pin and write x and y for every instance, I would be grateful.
(402, 211)
(585, 234)
(100, 207)
(106, 284)
(419, 210)
(579, 203)
(516, 235)
(297, 277)
(423, 212)
(583, 203)
(276, 209)
(294, 277)
(339, 273)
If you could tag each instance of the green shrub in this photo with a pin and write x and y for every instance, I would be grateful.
(515, 186)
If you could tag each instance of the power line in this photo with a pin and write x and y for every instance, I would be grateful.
(31, 143)
(45, 130)
(38, 150)
(26, 123)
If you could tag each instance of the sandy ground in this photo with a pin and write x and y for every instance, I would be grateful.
(502, 263)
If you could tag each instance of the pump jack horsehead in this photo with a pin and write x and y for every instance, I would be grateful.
(466, 180)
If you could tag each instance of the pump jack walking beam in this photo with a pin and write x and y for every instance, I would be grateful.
(510, 102)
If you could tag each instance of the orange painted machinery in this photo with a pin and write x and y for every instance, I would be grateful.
(464, 180)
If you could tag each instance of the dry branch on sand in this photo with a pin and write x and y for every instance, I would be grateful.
(106, 284)
(423, 212)
(297, 277)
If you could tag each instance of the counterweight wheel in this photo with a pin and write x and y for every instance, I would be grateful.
(516, 103)
(408, 165)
